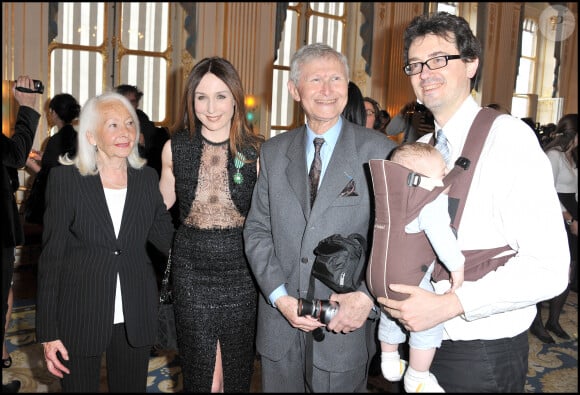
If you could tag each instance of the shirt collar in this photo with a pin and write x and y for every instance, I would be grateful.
(457, 127)
(330, 136)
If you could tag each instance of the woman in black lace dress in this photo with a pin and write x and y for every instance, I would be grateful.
(209, 168)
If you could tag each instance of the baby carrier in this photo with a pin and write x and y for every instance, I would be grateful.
(400, 194)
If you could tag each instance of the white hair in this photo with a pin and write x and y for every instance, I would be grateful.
(89, 119)
(312, 52)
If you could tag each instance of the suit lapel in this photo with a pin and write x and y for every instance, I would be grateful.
(131, 200)
(296, 171)
(95, 198)
(339, 171)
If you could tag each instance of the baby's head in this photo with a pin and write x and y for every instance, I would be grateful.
(422, 158)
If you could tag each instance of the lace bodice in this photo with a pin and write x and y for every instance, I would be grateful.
(213, 206)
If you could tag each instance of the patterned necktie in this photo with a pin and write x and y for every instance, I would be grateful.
(314, 173)
(442, 145)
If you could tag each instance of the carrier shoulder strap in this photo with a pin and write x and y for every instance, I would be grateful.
(468, 161)
(477, 262)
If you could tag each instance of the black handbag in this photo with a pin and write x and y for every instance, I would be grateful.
(166, 333)
(340, 262)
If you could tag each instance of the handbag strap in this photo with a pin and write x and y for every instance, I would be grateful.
(165, 280)
(164, 292)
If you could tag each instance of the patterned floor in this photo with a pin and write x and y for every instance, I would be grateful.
(552, 368)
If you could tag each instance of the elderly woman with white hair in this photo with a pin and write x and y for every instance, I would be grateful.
(97, 290)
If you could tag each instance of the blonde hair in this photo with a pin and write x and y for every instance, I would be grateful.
(89, 119)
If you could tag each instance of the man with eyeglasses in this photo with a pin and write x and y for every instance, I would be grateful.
(511, 201)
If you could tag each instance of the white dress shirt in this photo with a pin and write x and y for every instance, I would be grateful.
(565, 174)
(512, 200)
(116, 203)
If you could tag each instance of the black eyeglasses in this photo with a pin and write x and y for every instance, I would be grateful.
(435, 63)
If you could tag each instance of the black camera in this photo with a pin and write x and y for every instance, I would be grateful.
(322, 310)
(38, 87)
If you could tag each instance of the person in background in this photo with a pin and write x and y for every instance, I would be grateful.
(413, 121)
(355, 110)
(14, 151)
(372, 109)
(377, 119)
(97, 292)
(283, 228)
(152, 138)
(563, 154)
(383, 119)
(63, 109)
(6, 358)
(512, 203)
(210, 167)
(546, 133)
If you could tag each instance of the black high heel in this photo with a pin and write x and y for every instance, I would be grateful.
(538, 330)
(557, 330)
(540, 333)
(6, 363)
(556, 306)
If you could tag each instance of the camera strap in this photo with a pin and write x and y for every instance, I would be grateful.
(317, 334)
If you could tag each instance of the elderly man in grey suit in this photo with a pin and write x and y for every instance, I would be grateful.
(283, 228)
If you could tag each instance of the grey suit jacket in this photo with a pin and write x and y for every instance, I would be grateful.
(282, 231)
(81, 256)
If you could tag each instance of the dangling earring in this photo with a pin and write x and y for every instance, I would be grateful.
(239, 163)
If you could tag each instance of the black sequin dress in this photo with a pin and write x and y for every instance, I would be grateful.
(215, 297)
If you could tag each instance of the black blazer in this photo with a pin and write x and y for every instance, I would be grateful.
(80, 259)
(14, 152)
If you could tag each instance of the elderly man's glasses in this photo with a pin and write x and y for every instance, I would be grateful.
(435, 63)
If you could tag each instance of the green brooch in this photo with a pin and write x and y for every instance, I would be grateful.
(239, 163)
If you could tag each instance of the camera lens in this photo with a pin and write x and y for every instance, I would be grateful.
(328, 309)
(321, 310)
(306, 307)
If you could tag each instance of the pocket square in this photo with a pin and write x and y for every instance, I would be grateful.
(349, 189)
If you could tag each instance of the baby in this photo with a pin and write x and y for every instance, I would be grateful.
(434, 220)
